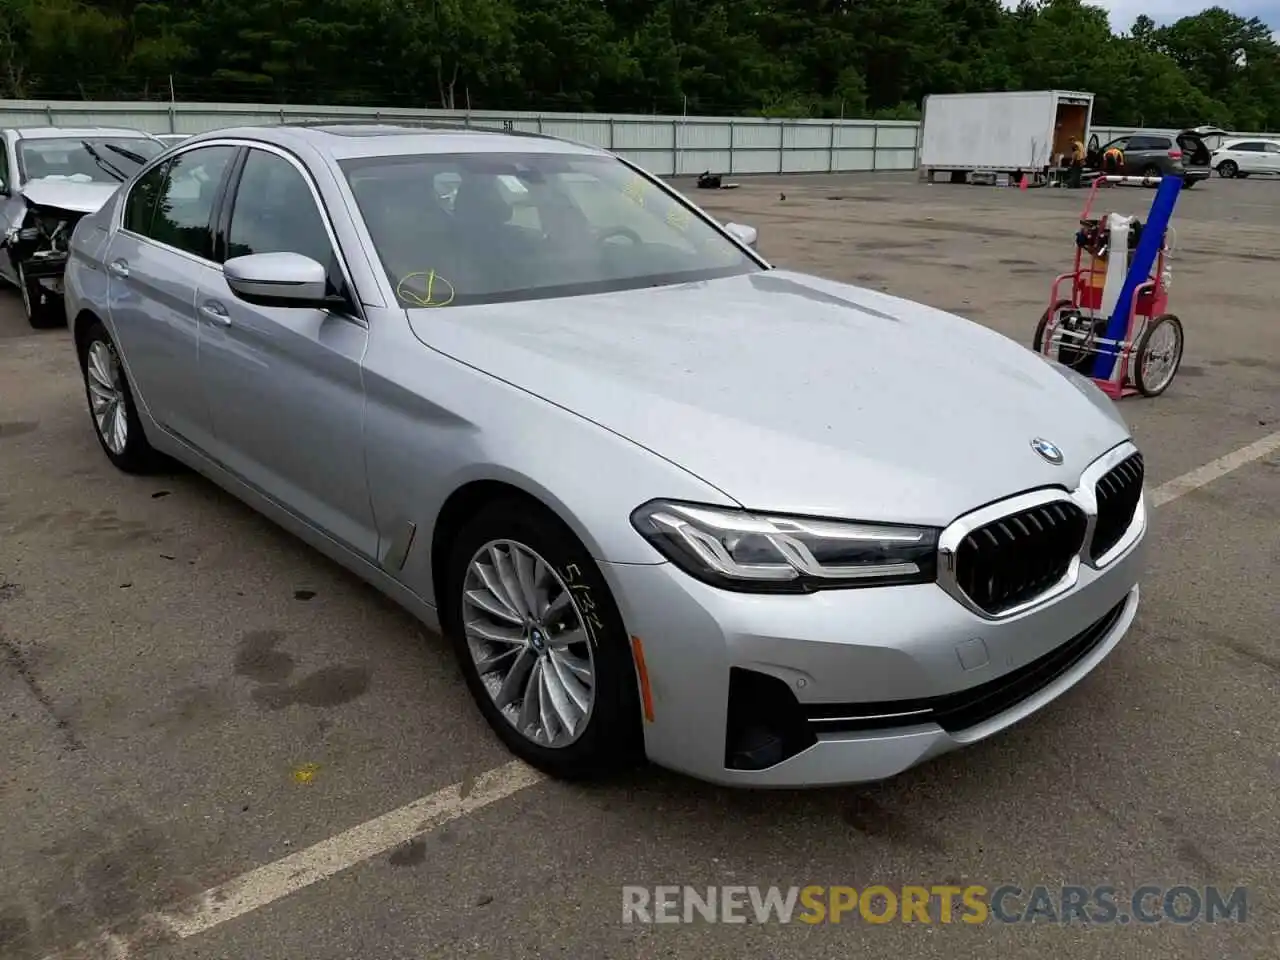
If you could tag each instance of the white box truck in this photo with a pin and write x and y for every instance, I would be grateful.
(1001, 133)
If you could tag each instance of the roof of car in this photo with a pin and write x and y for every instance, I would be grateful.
(350, 140)
(49, 132)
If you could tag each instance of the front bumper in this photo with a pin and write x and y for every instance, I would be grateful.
(871, 682)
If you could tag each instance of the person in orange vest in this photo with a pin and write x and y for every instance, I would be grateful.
(1076, 168)
(1113, 160)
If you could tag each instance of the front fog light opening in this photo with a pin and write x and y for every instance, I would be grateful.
(765, 724)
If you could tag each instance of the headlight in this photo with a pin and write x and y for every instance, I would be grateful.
(763, 553)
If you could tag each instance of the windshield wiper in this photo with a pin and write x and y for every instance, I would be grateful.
(104, 164)
(127, 154)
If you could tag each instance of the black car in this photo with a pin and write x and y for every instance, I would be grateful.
(1155, 154)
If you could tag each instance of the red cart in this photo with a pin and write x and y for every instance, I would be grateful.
(1073, 328)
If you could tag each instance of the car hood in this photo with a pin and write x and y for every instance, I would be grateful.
(792, 393)
(75, 196)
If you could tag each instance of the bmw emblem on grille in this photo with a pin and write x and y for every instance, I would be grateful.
(1047, 450)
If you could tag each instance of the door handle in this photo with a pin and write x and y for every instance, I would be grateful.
(216, 313)
(120, 268)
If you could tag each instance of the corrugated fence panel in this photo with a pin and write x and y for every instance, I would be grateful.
(856, 160)
(640, 134)
(757, 135)
(664, 145)
(807, 136)
(897, 135)
(694, 162)
(701, 135)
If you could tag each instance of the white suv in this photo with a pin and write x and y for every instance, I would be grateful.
(1241, 158)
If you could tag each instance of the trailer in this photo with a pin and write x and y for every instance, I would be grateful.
(968, 136)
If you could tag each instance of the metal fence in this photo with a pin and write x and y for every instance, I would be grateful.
(665, 145)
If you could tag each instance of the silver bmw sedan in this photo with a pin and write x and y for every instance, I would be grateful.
(666, 499)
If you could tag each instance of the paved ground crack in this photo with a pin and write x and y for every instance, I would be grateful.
(18, 662)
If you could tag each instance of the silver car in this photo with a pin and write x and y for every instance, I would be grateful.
(666, 499)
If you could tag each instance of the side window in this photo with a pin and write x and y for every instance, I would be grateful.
(187, 191)
(1273, 147)
(1122, 144)
(4, 166)
(140, 206)
(1248, 147)
(275, 212)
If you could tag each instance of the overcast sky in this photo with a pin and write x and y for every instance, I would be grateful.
(1124, 12)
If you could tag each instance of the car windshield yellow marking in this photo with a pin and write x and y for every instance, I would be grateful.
(439, 292)
(634, 191)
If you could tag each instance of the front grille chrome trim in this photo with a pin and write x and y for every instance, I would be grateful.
(1083, 496)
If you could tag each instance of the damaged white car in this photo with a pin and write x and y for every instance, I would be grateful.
(50, 177)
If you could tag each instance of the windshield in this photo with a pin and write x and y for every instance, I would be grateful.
(85, 159)
(457, 229)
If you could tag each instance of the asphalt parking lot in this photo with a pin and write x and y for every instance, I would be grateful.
(217, 744)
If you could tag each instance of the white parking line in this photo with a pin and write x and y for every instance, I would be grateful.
(276, 880)
(1214, 469)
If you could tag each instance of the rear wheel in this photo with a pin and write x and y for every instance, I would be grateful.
(1037, 342)
(111, 404)
(541, 642)
(1159, 355)
(44, 310)
(1228, 169)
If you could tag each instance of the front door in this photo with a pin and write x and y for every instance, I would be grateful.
(283, 384)
(154, 263)
(1270, 157)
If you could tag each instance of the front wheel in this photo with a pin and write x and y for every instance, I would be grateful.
(1228, 169)
(44, 310)
(111, 404)
(1159, 355)
(541, 643)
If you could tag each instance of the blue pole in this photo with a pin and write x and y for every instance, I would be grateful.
(1144, 258)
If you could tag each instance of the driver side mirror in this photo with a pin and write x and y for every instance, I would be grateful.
(743, 233)
(277, 280)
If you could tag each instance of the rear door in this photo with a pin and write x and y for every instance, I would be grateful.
(154, 262)
(1147, 153)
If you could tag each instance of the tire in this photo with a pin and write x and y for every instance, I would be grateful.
(103, 373)
(1228, 169)
(1037, 341)
(1147, 385)
(607, 735)
(44, 310)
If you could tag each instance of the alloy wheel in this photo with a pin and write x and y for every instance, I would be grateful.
(529, 642)
(106, 396)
